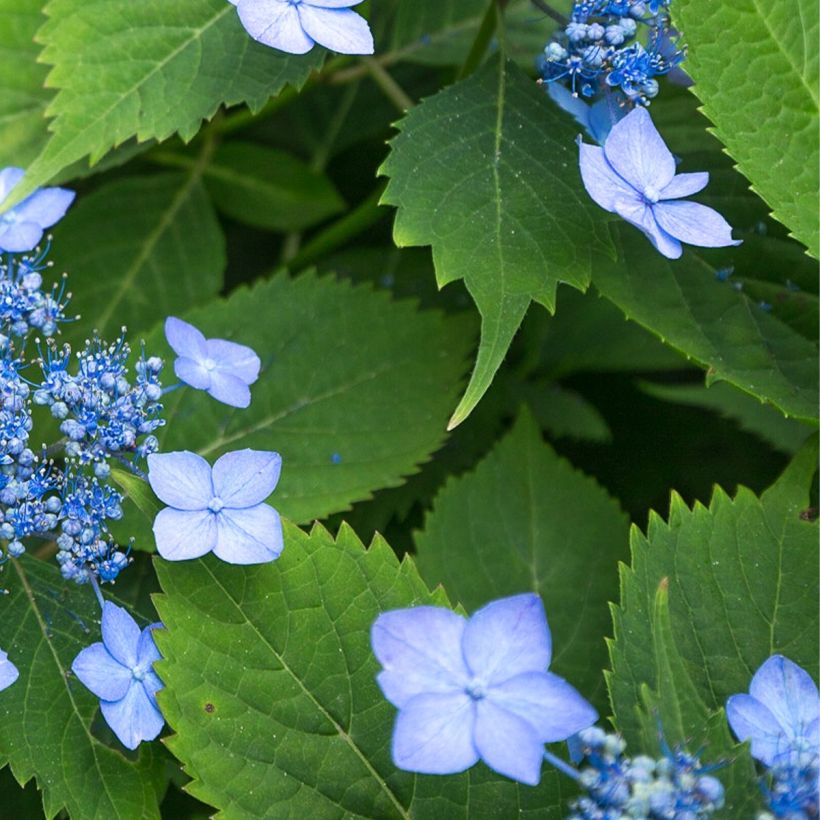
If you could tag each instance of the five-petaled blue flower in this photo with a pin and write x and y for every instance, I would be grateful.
(296, 25)
(477, 688)
(119, 671)
(223, 369)
(8, 671)
(220, 510)
(22, 226)
(781, 713)
(633, 175)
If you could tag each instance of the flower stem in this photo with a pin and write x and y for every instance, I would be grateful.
(384, 80)
(96, 587)
(561, 765)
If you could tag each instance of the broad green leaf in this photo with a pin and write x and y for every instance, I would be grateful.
(486, 172)
(786, 435)
(563, 413)
(271, 689)
(138, 490)
(715, 325)
(138, 249)
(760, 89)
(23, 98)
(354, 392)
(524, 519)
(268, 188)
(710, 595)
(46, 716)
(148, 70)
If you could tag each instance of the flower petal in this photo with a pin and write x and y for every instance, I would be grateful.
(274, 23)
(147, 651)
(602, 183)
(508, 744)
(641, 216)
(333, 4)
(419, 649)
(751, 720)
(181, 480)
(9, 177)
(249, 536)
(229, 390)
(185, 339)
(694, 224)
(685, 185)
(120, 634)
(19, 237)
(234, 359)
(245, 478)
(636, 150)
(554, 708)
(133, 718)
(184, 534)
(434, 734)
(508, 637)
(98, 671)
(8, 671)
(45, 207)
(192, 373)
(152, 684)
(338, 29)
(788, 692)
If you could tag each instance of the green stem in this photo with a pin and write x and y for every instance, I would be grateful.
(392, 90)
(482, 40)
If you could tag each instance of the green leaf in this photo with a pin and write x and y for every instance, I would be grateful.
(563, 413)
(268, 188)
(271, 688)
(708, 597)
(139, 248)
(46, 716)
(139, 491)
(148, 69)
(354, 392)
(23, 98)
(524, 519)
(683, 302)
(486, 172)
(760, 89)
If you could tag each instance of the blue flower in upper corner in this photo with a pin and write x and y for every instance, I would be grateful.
(223, 369)
(8, 671)
(296, 26)
(219, 510)
(119, 671)
(22, 226)
(781, 713)
(477, 688)
(633, 175)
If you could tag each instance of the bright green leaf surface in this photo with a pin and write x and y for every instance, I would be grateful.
(271, 689)
(718, 327)
(486, 172)
(138, 491)
(46, 716)
(755, 67)
(148, 69)
(708, 597)
(354, 392)
(137, 249)
(524, 519)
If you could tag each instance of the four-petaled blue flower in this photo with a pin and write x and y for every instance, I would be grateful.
(781, 713)
(8, 671)
(477, 688)
(119, 671)
(296, 25)
(22, 226)
(223, 369)
(633, 175)
(220, 510)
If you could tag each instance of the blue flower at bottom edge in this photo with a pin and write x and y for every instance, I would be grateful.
(119, 671)
(8, 671)
(477, 688)
(633, 176)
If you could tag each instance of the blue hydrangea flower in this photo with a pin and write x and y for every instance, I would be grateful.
(477, 688)
(223, 369)
(8, 671)
(296, 25)
(633, 175)
(781, 713)
(22, 226)
(220, 510)
(119, 671)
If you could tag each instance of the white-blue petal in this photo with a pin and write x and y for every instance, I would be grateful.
(245, 478)
(147, 651)
(249, 536)
(134, 718)
(751, 720)
(9, 177)
(8, 671)
(640, 215)
(433, 734)
(508, 744)
(333, 4)
(99, 672)
(184, 338)
(184, 534)
(192, 372)
(45, 207)
(685, 185)
(229, 390)
(599, 178)
(338, 29)
(19, 237)
(234, 359)
(274, 23)
(694, 224)
(120, 634)
(181, 480)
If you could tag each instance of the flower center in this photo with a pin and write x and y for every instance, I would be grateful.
(476, 689)
(216, 504)
(651, 195)
(209, 364)
(138, 673)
